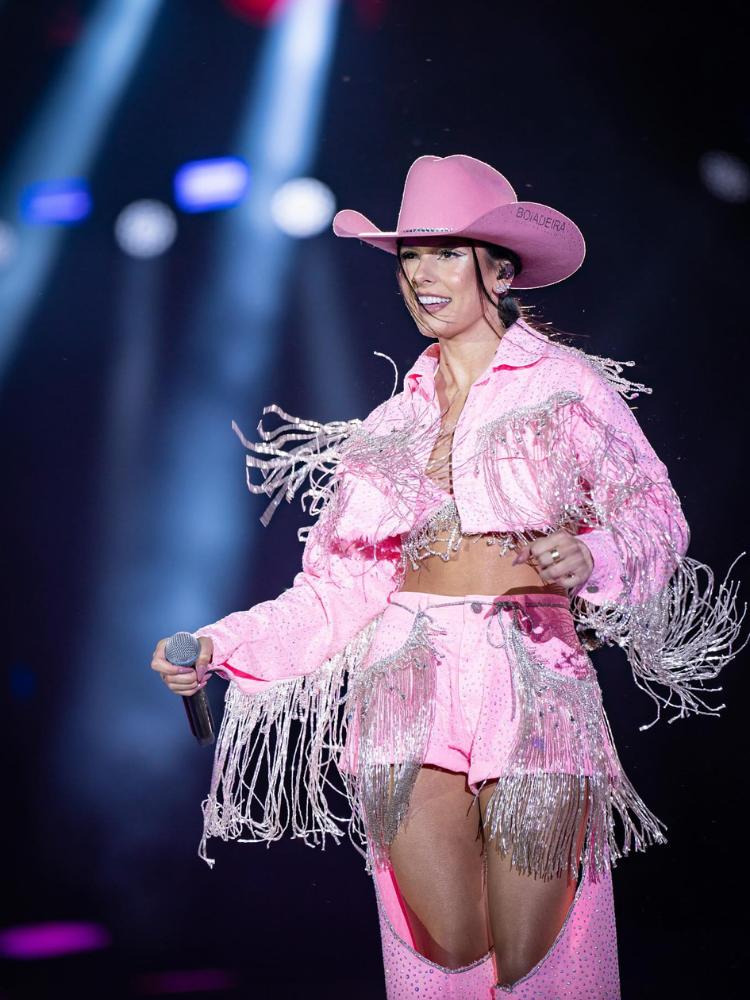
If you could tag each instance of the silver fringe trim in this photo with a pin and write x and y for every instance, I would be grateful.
(529, 441)
(678, 639)
(394, 703)
(273, 760)
(316, 456)
(607, 368)
(284, 469)
(563, 762)
(441, 535)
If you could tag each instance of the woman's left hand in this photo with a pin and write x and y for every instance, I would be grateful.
(573, 566)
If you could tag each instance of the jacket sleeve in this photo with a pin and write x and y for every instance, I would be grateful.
(341, 588)
(634, 528)
(677, 634)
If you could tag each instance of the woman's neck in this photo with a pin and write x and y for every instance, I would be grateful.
(463, 361)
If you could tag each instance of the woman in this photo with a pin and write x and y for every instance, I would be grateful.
(468, 531)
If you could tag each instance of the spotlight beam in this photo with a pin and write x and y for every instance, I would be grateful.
(62, 141)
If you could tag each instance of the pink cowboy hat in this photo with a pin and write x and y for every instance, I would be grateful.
(461, 196)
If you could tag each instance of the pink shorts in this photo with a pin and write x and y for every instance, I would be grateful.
(475, 709)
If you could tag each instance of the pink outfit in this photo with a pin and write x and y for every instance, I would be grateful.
(544, 441)
(343, 686)
(479, 727)
(476, 705)
(501, 663)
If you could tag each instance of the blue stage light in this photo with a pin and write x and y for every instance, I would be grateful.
(58, 202)
(204, 185)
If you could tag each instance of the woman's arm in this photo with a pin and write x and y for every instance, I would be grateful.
(637, 533)
(340, 589)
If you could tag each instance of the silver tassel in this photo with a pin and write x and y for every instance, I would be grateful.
(440, 534)
(563, 761)
(527, 444)
(274, 755)
(679, 639)
(286, 469)
(317, 456)
(609, 369)
(394, 703)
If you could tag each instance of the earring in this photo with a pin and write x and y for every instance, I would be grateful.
(506, 271)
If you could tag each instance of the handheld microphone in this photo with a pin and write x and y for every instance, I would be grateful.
(182, 649)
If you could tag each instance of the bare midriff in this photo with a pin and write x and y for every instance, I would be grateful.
(476, 567)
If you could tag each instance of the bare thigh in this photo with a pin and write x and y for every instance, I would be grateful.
(438, 864)
(525, 913)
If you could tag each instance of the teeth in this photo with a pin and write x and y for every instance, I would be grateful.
(429, 300)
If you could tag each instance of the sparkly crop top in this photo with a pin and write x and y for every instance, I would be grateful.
(440, 534)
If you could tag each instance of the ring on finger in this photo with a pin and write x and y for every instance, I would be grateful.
(555, 555)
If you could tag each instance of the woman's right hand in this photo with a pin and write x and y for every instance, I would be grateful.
(184, 680)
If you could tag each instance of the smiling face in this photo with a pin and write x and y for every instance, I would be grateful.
(440, 274)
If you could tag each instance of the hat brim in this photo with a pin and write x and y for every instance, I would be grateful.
(550, 245)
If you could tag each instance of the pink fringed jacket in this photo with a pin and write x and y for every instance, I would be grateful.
(545, 441)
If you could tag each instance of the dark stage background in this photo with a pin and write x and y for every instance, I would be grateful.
(125, 512)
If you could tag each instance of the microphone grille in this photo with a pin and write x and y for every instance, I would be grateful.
(182, 649)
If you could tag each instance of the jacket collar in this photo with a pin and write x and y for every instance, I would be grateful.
(520, 347)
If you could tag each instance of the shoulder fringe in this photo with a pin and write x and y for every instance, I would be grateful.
(611, 370)
(273, 759)
(678, 639)
(320, 449)
(608, 368)
(285, 469)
